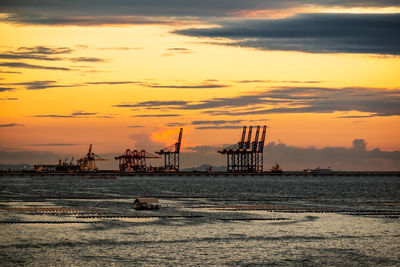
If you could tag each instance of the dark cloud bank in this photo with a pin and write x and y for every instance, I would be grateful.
(289, 157)
(315, 33)
(98, 12)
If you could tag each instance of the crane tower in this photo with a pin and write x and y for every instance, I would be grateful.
(88, 163)
(171, 154)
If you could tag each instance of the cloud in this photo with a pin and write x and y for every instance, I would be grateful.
(175, 124)
(38, 85)
(291, 100)
(198, 86)
(135, 126)
(113, 82)
(11, 72)
(92, 12)
(53, 116)
(314, 33)
(176, 51)
(11, 125)
(9, 98)
(355, 117)
(275, 81)
(87, 59)
(152, 104)
(94, 20)
(105, 117)
(37, 53)
(83, 114)
(31, 66)
(3, 89)
(378, 102)
(120, 48)
(156, 115)
(216, 122)
(35, 57)
(224, 127)
(78, 114)
(44, 50)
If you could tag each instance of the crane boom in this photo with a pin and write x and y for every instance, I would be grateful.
(242, 139)
(247, 144)
(261, 143)
(178, 144)
(255, 142)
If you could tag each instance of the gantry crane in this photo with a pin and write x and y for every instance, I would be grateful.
(134, 161)
(171, 154)
(88, 163)
(246, 156)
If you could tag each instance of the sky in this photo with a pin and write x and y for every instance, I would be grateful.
(324, 76)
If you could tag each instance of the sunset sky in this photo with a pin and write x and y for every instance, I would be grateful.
(324, 76)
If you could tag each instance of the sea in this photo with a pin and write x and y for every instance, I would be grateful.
(204, 220)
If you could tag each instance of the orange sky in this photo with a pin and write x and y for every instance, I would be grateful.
(99, 81)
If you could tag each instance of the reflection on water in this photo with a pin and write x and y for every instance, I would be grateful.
(221, 221)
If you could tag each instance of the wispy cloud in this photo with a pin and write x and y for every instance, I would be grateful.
(35, 57)
(44, 50)
(175, 124)
(153, 104)
(11, 125)
(78, 114)
(177, 51)
(37, 53)
(113, 82)
(121, 48)
(83, 114)
(11, 72)
(38, 85)
(135, 126)
(221, 127)
(156, 115)
(31, 66)
(87, 59)
(4, 89)
(216, 122)
(195, 86)
(275, 81)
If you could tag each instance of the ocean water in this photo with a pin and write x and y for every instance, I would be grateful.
(203, 221)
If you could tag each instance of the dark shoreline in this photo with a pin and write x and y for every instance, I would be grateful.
(111, 173)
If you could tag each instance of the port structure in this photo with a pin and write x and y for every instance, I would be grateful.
(134, 161)
(246, 155)
(171, 154)
(88, 162)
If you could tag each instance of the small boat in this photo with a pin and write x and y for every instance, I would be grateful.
(147, 204)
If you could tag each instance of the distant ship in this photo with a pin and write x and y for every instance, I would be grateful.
(318, 169)
(276, 168)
